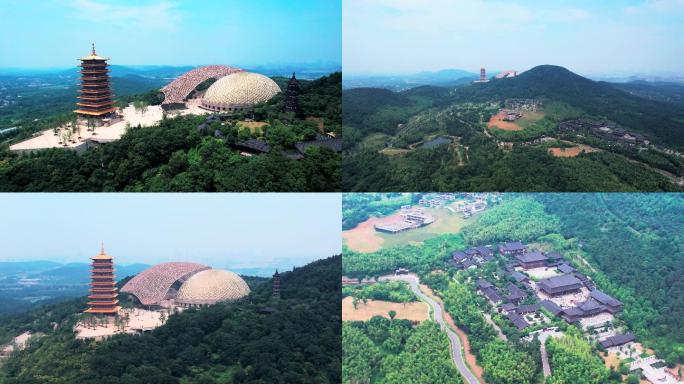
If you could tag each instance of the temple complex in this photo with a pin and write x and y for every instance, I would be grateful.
(292, 95)
(103, 292)
(95, 93)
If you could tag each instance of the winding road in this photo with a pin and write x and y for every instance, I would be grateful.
(456, 348)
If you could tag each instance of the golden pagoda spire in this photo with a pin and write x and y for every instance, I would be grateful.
(94, 49)
(102, 252)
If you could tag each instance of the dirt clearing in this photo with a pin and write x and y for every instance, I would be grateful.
(414, 311)
(572, 151)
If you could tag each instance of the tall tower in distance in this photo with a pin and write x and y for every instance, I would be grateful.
(103, 292)
(483, 76)
(292, 95)
(95, 95)
(276, 285)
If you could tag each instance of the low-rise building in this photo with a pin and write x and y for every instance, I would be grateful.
(531, 260)
(512, 248)
(625, 339)
(612, 305)
(560, 285)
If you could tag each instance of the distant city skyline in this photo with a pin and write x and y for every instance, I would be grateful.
(55, 33)
(587, 37)
(240, 230)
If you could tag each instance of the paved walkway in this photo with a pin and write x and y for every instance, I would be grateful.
(546, 367)
(488, 319)
(438, 312)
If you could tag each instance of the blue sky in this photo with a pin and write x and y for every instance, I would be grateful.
(54, 33)
(590, 37)
(240, 230)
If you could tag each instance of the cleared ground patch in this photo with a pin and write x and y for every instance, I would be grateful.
(364, 237)
(414, 311)
(572, 151)
(527, 119)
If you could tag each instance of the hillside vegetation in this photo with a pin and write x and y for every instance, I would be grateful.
(383, 132)
(637, 241)
(298, 343)
(633, 245)
(394, 352)
(175, 156)
(550, 82)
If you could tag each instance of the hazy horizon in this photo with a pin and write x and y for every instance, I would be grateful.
(241, 230)
(390, 37)
(55, 33)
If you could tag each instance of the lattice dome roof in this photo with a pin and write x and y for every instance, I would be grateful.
(151, 285)
(212, 286)
(241, 89)
(180, 88)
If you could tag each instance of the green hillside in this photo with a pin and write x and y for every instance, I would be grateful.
(661, 121)
(176, 156)
(299, 342)
(384, 132)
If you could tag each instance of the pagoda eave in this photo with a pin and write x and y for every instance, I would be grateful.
(95, 113)
(95, 105)
(103, 303)
(112, 311)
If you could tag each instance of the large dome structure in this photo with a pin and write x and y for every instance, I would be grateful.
(176, 92)
(239, 91)
(210, 287)
(158, 283)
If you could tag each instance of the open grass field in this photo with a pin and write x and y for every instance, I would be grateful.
(446, 222)
(364, 237)
(415, 311)
(253, 126)
(394, 151)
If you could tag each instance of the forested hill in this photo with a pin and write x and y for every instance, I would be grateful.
(663, 121)
(175, 156)
(298, 342)
(637, 240)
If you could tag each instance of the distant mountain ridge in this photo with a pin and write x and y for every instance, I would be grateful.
(443, 78)
(74, 273)
(661, 121)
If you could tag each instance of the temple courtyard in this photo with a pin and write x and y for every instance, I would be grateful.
(131, 321)
(131, 117)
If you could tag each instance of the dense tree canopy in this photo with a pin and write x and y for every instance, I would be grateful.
(176, 156)
(394, 352)
(298, 342)
(383, 132)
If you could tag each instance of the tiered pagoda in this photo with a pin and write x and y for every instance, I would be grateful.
(95, 94)
(103, 292)
(292, 95)
(276, 284)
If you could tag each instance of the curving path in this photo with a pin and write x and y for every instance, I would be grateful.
(456, 348)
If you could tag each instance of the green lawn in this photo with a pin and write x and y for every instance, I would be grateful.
(447, 222)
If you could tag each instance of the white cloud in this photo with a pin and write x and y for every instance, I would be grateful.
(656, 6)
(159, 15)
(567, 15)
(666, 5)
